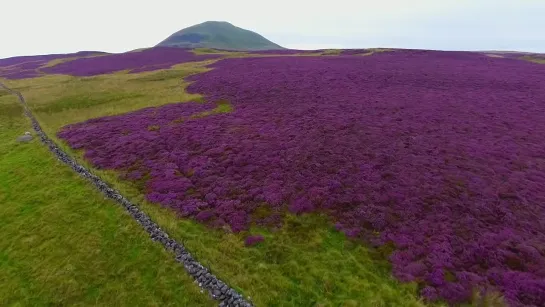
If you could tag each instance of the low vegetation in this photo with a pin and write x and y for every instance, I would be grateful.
(62, 244)
(223, 155)
(286, 268)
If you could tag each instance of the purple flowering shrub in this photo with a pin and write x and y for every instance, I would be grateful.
(439, 154)
(42, 58)
(27, 66)
(146, 60)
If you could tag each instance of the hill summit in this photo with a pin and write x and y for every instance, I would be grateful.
(218, 35)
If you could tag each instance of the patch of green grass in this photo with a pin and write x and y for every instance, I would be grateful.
(56, 62)
(204, 51)
(58, 100)
(19, 64)
(331, 52)
(491, 299)
(533, 59)
(9, 111)
(163, 75)
(207, 51)
(63, 244)
(85, 101)
(222, 106)
(154, 128)
(380, 49)
(304, 263)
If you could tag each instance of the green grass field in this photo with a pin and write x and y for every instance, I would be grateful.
(534, 59)
(63, 244)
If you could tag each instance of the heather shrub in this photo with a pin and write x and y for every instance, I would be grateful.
(23, 67)
(436, 154)
(141, 61)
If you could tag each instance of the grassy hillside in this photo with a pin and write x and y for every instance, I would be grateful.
(218, 35)
(63, 244)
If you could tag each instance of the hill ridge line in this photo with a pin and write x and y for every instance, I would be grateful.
(216, 288)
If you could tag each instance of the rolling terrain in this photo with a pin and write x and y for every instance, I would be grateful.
(331, 178)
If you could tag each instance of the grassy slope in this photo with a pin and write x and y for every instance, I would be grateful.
(305, 263)
(221, 35)
(539, 60)
(62, 243)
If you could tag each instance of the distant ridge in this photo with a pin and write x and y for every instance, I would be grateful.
(219, 35)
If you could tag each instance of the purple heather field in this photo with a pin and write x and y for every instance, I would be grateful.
(27, 66)
(139, 61)
(438, 154)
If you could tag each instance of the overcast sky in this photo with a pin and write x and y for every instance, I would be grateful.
(60, 26)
